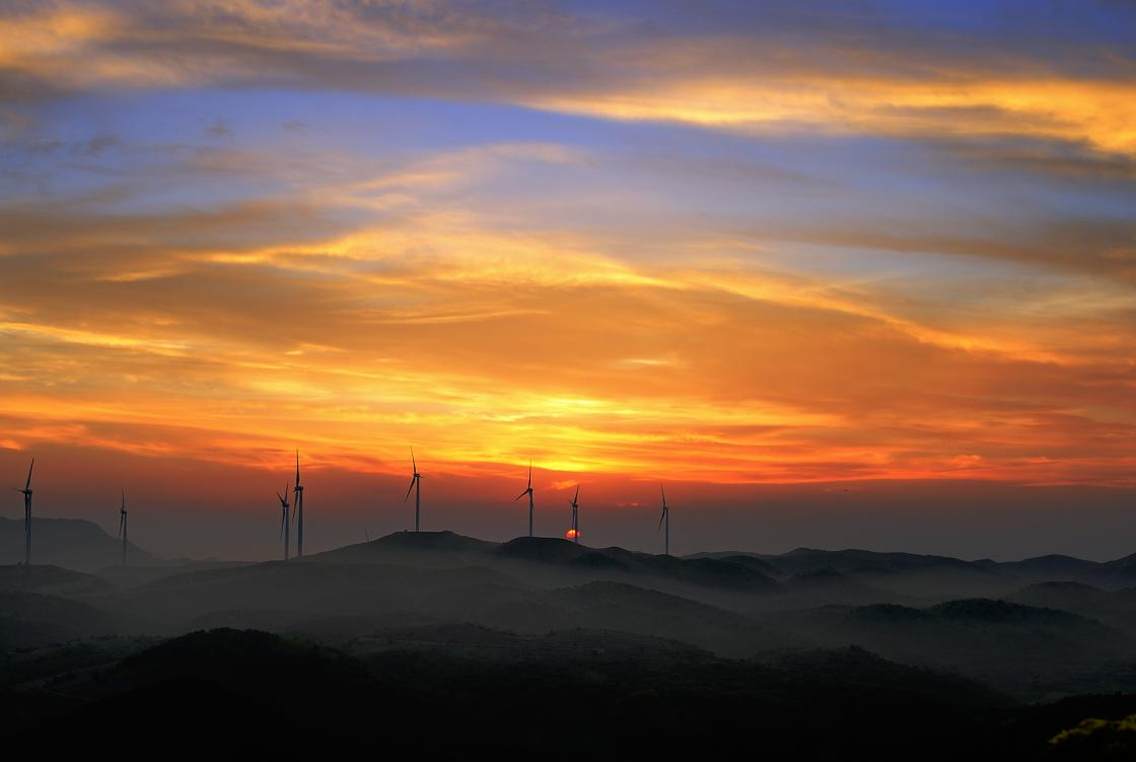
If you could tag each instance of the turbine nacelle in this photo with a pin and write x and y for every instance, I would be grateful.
(285, 518)
(27, 488)
(665, 520)
(574, 533)
(528, 487)
(122, 515)
(529, 492)
(298, 509)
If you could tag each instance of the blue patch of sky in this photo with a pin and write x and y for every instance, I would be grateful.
(637, 173)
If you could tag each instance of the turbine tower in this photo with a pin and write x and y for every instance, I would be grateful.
(298, 507)
(122, 526)
(416, 488)
(27, 492)
(576, 515)
(528, 491)
(285, 523)
(665, 519)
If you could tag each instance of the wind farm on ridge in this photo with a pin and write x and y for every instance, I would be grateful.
(292, 513)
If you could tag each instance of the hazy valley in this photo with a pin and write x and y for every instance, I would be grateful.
(1013, 651)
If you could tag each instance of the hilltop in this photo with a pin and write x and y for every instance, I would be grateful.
(71, 543)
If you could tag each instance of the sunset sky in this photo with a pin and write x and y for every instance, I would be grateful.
(848, 273)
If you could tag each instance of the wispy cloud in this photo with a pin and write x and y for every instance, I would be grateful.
(784, 71)
(774, 249)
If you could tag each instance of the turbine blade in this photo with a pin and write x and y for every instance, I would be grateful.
(297, 466)
(32, 466)
(413, 463)
(662, 516)
(409, 490)
(518, 497)
(530, 473)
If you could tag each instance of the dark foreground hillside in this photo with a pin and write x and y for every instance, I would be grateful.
(225, 692)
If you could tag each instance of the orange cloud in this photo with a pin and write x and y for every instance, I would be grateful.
(540, 354)
(364, 304)
(1098, 113)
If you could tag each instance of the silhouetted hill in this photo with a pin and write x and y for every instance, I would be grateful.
(156, 717)
(292, 698)
(1116, 608)
(952, 575)
(51, 580)
(543, 549)
(1002, 612)
(135, 575)
(751, 562)
(31, 619)
(292, 591)
(804, 560)
(887, 614)
(264, 692)
(627, 608)
(242, 660)
(472, 641)
(438, 541)
(709, 572)
(1023, 649)
(1053, 567)
(553, 556)
(71, 543)
(828, 586)
(1119, 573)
(1070, 596)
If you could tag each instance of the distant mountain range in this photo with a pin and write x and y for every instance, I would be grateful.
(1023, 627)
(866, 563)
(84, 545)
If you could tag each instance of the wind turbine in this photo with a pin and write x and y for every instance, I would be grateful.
(576, 515)
(122, 526)
(528, 491)
(665, 518)
(416, 488)
(285, 524)
(298, 507)
(27, 492)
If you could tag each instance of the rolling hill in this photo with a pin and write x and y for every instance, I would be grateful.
(71, 543)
